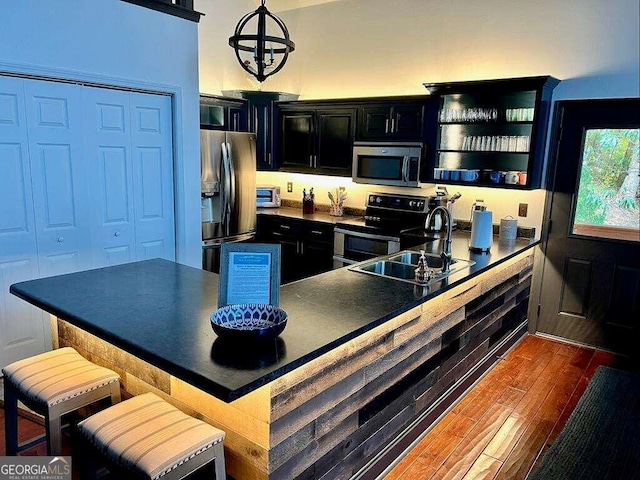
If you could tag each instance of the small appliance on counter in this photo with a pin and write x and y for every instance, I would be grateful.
(481, 227)
(443, 199)
(439, 200)
(268, 196)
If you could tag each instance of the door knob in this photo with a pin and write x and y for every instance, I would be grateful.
(117, 234)
(60, 239)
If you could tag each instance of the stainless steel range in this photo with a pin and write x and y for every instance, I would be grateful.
(382, 230)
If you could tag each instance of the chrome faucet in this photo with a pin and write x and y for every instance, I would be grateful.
(445, 255)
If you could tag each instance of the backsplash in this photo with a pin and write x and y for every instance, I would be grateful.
(322, 207)
(501, 202)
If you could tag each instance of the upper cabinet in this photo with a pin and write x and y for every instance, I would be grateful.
(262, 113)
(316, 138)
(492, 132)
(221, 113)
(388, 120)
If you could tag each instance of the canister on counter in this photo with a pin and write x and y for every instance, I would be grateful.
(508, 229)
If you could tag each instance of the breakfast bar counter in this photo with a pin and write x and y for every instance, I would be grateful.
(360, 359)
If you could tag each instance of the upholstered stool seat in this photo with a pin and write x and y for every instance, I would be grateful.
(53, 384)
(146, 437)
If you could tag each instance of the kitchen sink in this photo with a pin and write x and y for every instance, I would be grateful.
(402, 265)
(411, 258)
(387, 268)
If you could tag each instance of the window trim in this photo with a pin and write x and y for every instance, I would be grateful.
(177, 9)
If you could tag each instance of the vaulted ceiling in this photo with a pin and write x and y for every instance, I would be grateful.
(282, 5)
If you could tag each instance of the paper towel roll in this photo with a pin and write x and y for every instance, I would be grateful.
(508, 228)
(481, 230)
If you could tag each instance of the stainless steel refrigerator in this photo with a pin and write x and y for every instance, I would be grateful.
(228, 191)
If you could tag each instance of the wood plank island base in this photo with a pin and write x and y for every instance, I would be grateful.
(330, 416)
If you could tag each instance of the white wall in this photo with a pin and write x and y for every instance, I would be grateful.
(356, 48)
(219, 69)
(117, 43)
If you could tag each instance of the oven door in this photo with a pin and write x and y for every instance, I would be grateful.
(351, 247)
(387, 164)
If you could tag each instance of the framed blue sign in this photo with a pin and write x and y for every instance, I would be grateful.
(249, 273)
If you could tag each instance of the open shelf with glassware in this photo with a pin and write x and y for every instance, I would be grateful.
(492, 132)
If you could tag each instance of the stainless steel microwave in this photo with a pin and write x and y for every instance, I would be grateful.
(387, 163)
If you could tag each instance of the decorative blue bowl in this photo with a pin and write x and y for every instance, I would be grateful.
(249, 321)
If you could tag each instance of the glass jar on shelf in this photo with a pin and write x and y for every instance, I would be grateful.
(468, 115)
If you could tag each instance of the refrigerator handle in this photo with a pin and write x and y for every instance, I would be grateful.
(225, 207)
(232, 181)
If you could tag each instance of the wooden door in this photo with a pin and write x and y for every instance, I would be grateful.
(374, 122)
(59, 176)
(408, 121)
(297, 140)
(260, 120)
(590, 282)
(336, 130)
(152, 147)
(22, 326)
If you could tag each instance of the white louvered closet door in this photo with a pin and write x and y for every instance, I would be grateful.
(22, 330)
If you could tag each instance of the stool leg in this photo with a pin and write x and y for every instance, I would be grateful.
(84, 461)
(221, 473)
(115, 393)
(53, 426)
(10, 419)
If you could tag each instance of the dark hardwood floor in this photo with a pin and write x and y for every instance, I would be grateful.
(500, 428)
(505, 423)
(29, 427)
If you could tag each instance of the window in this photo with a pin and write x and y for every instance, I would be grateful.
(608, 199)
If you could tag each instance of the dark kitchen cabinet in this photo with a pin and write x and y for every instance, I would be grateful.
(261, 114)
(222, 113)
(306, 246)
(317, 140)
(297, 130)
(392, 121)
(317, 248)
(492, 130)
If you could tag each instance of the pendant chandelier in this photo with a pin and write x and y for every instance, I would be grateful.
(264, 52)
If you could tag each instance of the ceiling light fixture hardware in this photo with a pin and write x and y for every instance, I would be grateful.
(267, 52)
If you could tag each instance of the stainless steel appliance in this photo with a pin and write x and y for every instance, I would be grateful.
(384, 163)
(268, 197)
(228, 191)
(382, 229)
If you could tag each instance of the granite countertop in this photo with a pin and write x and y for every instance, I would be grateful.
(317, 216)
(159, 311)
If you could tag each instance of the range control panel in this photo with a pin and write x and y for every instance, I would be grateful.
(397, 202)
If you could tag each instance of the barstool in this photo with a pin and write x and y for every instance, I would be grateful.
(53, 384)
(146, 437)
